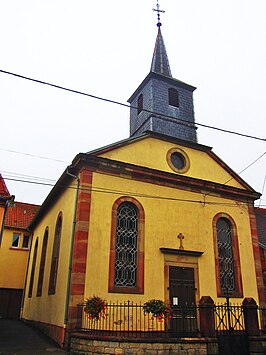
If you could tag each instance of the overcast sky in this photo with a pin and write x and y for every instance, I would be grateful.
(105, 48)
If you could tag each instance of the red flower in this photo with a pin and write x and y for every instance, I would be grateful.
(158, 309)
(95, 307)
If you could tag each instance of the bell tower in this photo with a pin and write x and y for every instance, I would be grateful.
(161, 103)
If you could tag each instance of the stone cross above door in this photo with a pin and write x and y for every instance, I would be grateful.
(181, 238)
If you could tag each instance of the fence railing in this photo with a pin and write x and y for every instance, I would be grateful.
(229, 317)
(129, 320)
(262, 317)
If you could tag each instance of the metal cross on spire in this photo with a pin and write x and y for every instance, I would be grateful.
(158, 13)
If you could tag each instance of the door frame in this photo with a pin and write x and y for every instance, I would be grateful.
(181, 261)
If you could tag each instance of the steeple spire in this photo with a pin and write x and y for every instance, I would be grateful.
(160, 63)
(161, 103)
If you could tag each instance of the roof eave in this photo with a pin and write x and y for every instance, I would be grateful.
(58, 188)
(148, 134)
(232, 172)
(105, 164)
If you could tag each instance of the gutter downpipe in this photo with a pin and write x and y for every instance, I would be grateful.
(70, 258)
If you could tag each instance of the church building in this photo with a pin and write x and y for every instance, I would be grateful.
(154, 216)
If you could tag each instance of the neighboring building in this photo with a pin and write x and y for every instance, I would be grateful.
(156, 215)
(14, 251)
(261, 227)
(4, 199)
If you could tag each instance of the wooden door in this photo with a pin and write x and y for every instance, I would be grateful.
(10, 303)
(182, 298)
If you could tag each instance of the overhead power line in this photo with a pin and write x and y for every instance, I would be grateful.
(263, 187)
(130, 193)
(50, 182)
(31, 177)
(33, 155)
(246, 168)
(180, 121)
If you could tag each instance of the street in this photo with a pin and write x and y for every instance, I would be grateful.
(18, 338)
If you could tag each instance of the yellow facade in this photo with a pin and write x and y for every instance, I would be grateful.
(165, 219)
(46, 308)
(168, 211)
(152, 152)
(13, 261)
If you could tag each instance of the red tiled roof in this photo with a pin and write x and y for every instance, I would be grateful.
(3, 189)
(261, 224)
(20, 214)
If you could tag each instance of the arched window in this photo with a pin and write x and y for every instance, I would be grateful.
(173, 97)
(126, 245)
(55, 256)
(140, 103)
(42, 263)
(227, 257)
(126, 255)
(33, 268)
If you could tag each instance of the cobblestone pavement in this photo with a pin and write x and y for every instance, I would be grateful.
(18, 338)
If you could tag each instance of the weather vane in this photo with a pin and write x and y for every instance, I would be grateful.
(158, 13)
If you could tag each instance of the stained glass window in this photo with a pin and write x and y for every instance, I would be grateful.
(226, 256)
(126, 245)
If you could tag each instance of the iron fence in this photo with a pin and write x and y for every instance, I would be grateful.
(229, 318)
(129, 320)
(230, 329)
(262, 317)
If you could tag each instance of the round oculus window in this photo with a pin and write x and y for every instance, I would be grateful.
(178, 160)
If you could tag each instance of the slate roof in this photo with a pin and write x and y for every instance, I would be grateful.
(160, 63)
(3, 189)
(261, 225)
(20, 214)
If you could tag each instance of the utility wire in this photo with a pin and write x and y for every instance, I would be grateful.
(118, 192)
(226, 182)
(264, 184)
(50, 182)
(23, 176)
(262, 155)
(33, 155)
(179, 121)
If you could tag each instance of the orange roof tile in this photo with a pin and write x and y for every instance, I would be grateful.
(20, 214)
(3, 189)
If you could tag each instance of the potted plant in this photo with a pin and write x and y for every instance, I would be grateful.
(157, 308)
(95, 307)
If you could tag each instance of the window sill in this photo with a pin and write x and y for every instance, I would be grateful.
(127, 290)
(231, 295)
(19, 249)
